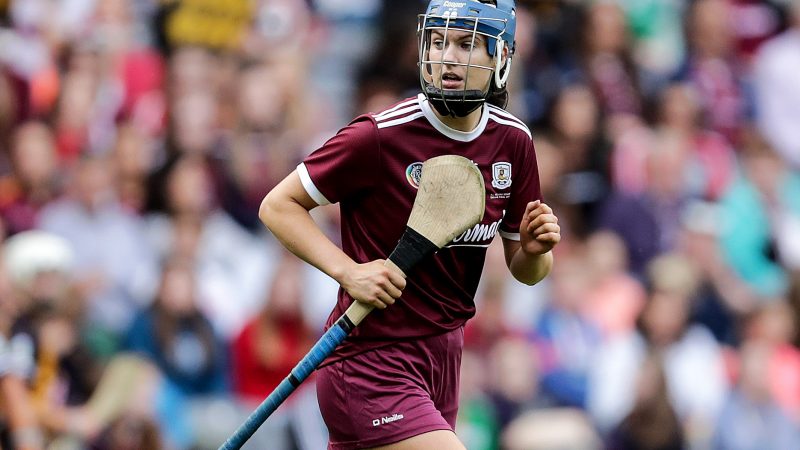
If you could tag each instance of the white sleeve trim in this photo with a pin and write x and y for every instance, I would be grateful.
(309, 186)
(511, 236)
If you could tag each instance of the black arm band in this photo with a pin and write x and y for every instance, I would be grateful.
(411, 249)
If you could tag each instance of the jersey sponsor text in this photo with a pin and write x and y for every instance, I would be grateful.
(482, 233)
(385, 420)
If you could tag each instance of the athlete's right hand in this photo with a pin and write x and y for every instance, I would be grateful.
(373, 283)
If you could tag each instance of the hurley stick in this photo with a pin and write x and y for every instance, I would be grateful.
(451, 199)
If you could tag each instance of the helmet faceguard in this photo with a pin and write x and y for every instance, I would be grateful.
(495, 23)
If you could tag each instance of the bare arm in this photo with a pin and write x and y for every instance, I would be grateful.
(530, 259)
(285, 211)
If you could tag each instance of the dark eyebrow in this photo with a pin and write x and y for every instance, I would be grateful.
(466, 37)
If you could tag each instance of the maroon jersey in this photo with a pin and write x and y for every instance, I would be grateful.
(372, 168)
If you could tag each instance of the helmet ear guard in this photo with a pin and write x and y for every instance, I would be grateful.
(501, 71)
(496, 23)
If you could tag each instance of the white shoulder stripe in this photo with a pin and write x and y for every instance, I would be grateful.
(505, 114)
(396, 107)
(512, 123)
(399, 112)
(400, 121)
(310, 187)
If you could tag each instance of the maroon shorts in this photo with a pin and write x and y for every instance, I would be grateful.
(392, 393)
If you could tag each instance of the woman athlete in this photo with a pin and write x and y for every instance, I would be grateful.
(393, 384)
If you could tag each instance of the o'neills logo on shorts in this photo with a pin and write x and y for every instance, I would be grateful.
(383, 420)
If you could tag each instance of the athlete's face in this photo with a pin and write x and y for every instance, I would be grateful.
(454, 49)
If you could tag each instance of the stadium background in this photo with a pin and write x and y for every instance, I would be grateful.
(143, 305)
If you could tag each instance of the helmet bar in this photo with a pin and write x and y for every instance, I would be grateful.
(449, 63)
(480, 26)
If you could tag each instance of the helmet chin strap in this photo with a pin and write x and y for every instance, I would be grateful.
(454, 103)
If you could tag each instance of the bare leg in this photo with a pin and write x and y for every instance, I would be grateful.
(440, 440)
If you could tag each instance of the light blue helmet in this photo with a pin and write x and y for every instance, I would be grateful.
(496, 20)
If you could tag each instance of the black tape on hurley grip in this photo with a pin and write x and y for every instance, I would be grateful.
(345, 324)
(412, 248)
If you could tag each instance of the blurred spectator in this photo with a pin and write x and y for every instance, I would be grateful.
(194, 128)
(760, 216)
(711, 67)
(658, 43)
(114, 269)
(652, 423)
(574, 129)
(551, 166)
(709, 162)
(477, 421)
(229, 261)
(565, 339)
(270, 345)
(134, 71)
(144, 102)
(722, 299)
(76, 106)
(774, 328)
(34, 181)
(134, 157)
(107, 76)
(513, 379)
(607, 60)
(48, 310)
(488, 327)
(189, 69)
(751, 419)
(611, 298)
(30, 45)
(648, 221)
(55, 385)
(693, 362)
(19, 427)
(549, 61)
(525, 48)
(393, 60)
(177, 337)
(777, 93)
(265, 145)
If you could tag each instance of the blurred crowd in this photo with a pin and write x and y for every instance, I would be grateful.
(144, 306)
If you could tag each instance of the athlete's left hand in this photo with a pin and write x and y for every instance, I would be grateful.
(539, 231)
